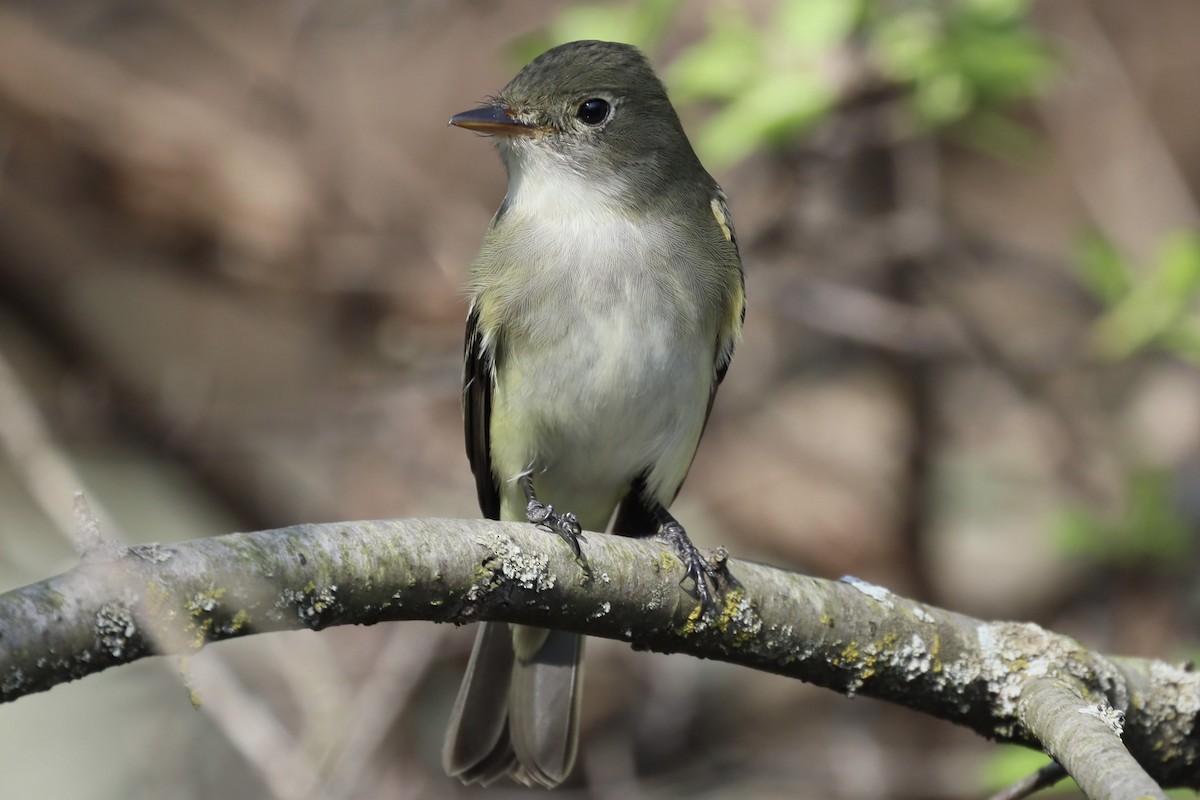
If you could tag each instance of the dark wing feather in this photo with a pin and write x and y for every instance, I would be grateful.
(477, 416)
(635, 517)
(722, 364)
(725, 221)
(724, 349)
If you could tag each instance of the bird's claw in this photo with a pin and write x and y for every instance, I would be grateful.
(565, 525)
(707, 578)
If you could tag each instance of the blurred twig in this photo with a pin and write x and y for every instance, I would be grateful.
(378, 702)
(873, 320)
(255, 730)
(1123, 169)
(1043, 778)
(173, 159)
(50, 477)
(43, 468)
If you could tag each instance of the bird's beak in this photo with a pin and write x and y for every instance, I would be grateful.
(491, 119)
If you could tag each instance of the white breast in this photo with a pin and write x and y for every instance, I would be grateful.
(609, 371)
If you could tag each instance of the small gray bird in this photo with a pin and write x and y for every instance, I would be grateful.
(605, 304)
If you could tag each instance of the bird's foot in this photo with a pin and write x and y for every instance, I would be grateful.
(565, 524)
(710, 579)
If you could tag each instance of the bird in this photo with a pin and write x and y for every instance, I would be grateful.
(605, 304)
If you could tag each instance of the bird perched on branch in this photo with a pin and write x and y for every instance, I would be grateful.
(605, 303)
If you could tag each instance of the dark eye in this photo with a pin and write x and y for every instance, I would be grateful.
(594, 111)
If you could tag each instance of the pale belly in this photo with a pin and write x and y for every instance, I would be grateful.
(608, 337)
(610, 397)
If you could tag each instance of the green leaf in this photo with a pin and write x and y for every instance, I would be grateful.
(1148, 528)
(720, 66)
(998, 135)
(1002, 65)
(960, 58)
(1179, 265)
(1102, 268)
(812, 26)
(1152, 523)
(1158, 303)
(775, 109)
(1077, 532)
(1132, 324)
(1184, 339)
(651, 21)
(610, 23)
(905, 42)
(642, 24)
(943, 97)
(997, 11)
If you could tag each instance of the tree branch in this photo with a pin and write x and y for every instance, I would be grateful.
(1085, 737)
(121, 604)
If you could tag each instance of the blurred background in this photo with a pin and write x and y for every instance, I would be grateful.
(232, 237)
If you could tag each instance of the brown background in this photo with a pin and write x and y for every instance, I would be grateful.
(231, 240)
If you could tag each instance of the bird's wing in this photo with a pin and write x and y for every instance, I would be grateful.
(478, 381)
(735, 311)
(636, 515)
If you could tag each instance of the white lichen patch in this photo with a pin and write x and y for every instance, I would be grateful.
(603, 610)
(114, 628)
(13, 681)
(1114, 718)
(324, 599)
(741, 612)
(1179, 684)
(660, 595)
(877, 593)
(1011, 654)
(152, 552)
(922, 615)
(289, 597)
(203, 602)
(913, 659)
(527, 570)
(309, 603)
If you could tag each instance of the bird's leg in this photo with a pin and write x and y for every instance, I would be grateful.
(696, 566)
(542, 515)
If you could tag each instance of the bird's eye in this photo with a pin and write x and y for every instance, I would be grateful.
(593, 112)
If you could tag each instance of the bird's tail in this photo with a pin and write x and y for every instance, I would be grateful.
(517, 711)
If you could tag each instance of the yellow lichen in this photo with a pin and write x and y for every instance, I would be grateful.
(157, 601)
(694, 616)
(204, 602)
(240, 620)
